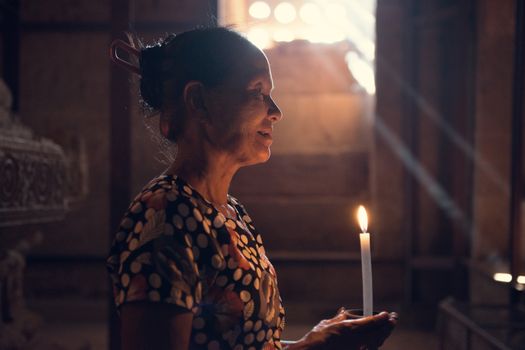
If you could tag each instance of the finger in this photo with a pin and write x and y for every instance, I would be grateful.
(351, 315)
(394, 315)
(339, 317)
(368, 322)
(379, 318)
(393, 322)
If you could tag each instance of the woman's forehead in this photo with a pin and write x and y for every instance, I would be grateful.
(255, 67)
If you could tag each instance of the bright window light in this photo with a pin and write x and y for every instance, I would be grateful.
(310, 13)
(283, 35)
(335, 13)
(268, 22)
(362, 71)
(259, 37)
(363, 13)
(259, 10)
(502, 277)
(325, 34)
(285, 12)
(365, 44)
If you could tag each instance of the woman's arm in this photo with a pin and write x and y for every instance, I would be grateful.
(151, 325)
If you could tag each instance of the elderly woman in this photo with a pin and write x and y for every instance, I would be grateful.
(188, 264)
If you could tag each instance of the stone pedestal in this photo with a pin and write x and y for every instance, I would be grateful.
(32, 191)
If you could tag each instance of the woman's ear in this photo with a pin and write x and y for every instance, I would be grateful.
(195, 99)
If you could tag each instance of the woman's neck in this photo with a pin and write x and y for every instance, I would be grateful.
(209, 172)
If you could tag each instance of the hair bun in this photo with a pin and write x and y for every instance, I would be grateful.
(151, 83)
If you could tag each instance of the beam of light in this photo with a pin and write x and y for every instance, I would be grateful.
(433, 188)
(259, 37)
(362, 20)
(362, 13)
(284, 12)
(310, 13)
(283, 35)
(362, 42)
(502, 277)
(331, 69)
(361, 71)
(456, 138)
(332, 19)
(260, 10)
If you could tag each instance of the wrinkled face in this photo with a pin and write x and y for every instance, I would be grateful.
(243, 114)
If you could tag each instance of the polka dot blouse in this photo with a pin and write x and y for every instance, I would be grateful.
(173, 246)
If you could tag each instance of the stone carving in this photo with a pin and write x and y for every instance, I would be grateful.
(32, 172)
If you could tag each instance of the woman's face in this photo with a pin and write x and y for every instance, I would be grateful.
(243, 114)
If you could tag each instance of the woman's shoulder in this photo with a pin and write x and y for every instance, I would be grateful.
(164, 206)
(166, 211)
(164, 190)
(161, 184)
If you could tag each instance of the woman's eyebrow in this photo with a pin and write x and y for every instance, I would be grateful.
(255, 73)
(260, 80)
(255, 83)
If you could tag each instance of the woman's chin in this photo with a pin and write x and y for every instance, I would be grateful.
(265, 155)
(260, 157)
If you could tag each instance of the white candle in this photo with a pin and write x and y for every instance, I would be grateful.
(366, 262)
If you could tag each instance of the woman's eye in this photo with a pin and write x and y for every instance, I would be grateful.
(258, 94)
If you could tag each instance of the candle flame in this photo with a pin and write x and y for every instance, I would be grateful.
(362, 218)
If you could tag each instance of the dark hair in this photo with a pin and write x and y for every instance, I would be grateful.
(207, 55)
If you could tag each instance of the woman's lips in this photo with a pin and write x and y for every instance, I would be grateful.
(266, 135)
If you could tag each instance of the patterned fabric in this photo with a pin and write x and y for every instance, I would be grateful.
(173, 246)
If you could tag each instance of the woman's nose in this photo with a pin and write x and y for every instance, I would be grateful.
(274, 112)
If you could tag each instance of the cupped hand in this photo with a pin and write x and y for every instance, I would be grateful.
(349, 331)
